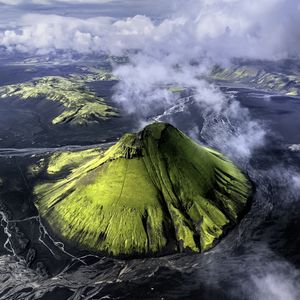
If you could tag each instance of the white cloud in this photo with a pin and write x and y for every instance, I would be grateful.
(274, 286)
(274, 279)
(43, 34)
(49, 2)
(219, 29)
(11, 2)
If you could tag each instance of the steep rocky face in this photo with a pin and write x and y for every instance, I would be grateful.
(154, 192)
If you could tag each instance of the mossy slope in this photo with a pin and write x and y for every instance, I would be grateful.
(81, 106)
(153, 192)
(258, 78)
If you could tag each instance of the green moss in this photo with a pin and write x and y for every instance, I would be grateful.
(259, 78)
(81, 106)
(69, 160)
(176, 89)
(153, 192)
(98, 75)
(292, 92)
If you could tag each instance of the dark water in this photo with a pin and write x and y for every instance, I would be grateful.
(259, 259)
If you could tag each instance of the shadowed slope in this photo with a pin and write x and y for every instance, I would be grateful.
(153, 192)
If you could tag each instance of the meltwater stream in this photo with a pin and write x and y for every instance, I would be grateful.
(258, 259)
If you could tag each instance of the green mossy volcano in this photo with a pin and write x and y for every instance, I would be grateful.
(154, 192)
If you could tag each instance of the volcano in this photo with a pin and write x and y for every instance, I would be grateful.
(152, 193)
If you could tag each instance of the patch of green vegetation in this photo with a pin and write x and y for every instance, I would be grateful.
(259, 78)
(176, 89)
(71, 159)
(98, 75)
(81, 106)
(153, 192)
(240, 73)
(293, 92)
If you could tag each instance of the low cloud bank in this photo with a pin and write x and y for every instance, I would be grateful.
(215, 29)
